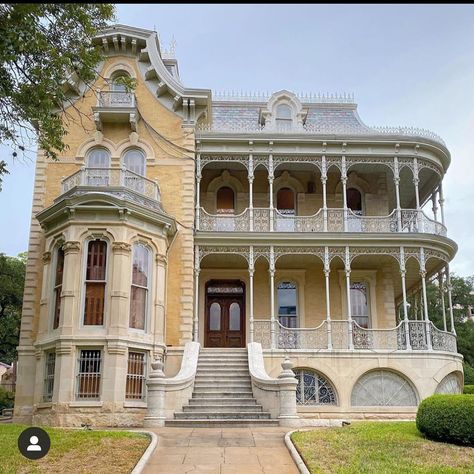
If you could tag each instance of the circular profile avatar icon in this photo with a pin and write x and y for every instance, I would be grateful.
(34, 443)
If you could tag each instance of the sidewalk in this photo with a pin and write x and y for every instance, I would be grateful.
(221, 451)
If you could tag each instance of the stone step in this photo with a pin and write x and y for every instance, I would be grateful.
(222, 387)
(230, 350)
(217, 408)
(222, 394)
(222, 415)
(238, 370)
(223, 365)
(220, 423)
(223, 359)
(222, 378)
(230, 400)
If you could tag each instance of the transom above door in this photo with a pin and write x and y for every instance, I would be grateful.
(225, 314)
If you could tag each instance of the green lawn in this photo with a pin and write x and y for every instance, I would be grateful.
(380, 447)
(74, 451)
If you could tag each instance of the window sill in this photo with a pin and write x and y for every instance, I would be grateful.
(86, 403)
(44, 405)
(134, 404)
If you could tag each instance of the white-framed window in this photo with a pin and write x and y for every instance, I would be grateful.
(287, 295)
(95, 282)
(58, 285)
(140, 286)
(89, 374)
(360, 303)
(313, 388)
(136, 376)
(98, 164)
(284, 117)
(49, 368)
(134, 161)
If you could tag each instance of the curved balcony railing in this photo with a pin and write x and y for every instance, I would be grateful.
(107, 179)
(333, 220)
(115, 99)
(337, 335)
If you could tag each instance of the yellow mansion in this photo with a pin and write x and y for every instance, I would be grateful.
(189, 249)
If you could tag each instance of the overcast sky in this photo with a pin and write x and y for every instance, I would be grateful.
(407, 65)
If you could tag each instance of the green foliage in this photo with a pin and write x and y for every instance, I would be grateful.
(448, 418)
(12, 282)
(468, 374)
(468, 390)
(41, 46)
(6, 399)
(465, 333)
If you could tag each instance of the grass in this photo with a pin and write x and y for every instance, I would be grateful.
(74, 451)
(380, 447)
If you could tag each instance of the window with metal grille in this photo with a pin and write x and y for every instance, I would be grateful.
(88, 375)
(313, 388)
(58, 286)
(49, 376)
(140, 284)
(95, 283)
(136, 376)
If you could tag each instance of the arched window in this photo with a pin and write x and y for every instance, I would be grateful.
(117, 85)
(225, 201)
(96, 276)
(284, 118)
(288, 304)
(360, 303)
(451, 384)
(286, 201)
(134, 160)
(313, 388)
(58, 286)
(140, 286)
(383, 388)
(354, 201)
(97, 172)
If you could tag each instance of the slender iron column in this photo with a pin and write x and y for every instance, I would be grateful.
(441, 202)
(328, 301)
(324, 179)
(425, 299)
(404, 290)
(396, 180)
(251, 272)
(441, 289)
(250, 178)
(198, 190)
(435, 207)
(344, 190)
(270, 183)
(348, 291)
(272, 297)
(196, 293)
(416, 182)
(450, 299)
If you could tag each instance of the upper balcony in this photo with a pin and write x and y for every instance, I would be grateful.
(115, 106)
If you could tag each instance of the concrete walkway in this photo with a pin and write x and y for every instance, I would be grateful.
(221, 451)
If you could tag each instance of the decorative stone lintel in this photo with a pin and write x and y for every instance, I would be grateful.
(71, 246)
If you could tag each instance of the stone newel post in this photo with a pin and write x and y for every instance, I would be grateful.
(287, 384)
(155, 416)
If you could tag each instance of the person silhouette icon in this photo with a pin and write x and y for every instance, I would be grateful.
(34, 446)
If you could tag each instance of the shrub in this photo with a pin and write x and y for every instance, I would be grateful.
(447, 418)
(469, 389)
(468, 374)
(6, 399)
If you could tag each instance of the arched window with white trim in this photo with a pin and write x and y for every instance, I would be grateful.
(139, 293)
(98, 164)
(134, 162)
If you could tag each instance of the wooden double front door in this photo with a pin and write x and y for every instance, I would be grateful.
(225, 314)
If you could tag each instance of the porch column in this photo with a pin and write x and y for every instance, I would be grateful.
(272, 297)
(441, 289)
(348, 291)
(450, 299)
(198, 190)
(416, 182)
(344, 190)
(435, 207)
(197, 270)
(251, 272)
(324, 179)
(270, 184)
(425, 299)
(250, 178)
(404, 291)
(441, 202)
(327, 270)
(396, 180)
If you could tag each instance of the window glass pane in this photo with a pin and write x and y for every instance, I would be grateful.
(59, 266)
(118, 87)
(94, 303)
(134, 160)
(234, 317)
(96, 260)
(140, 265)
(88, 383)
(135, 376)
(137, 307)
(359, 303)
(287, 298)
(98, 158)
(58, 286)
(284, 111)
(225, 199)
(286, 201)
(215, 317)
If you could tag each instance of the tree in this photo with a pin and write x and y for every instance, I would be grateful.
(12, 282)
(41, 46)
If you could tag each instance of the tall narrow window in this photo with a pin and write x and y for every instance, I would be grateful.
(58, 286)
(360, 303)
(284, 119)
(287, 304)
(140, 284)
(354, 201)
(136, 376)
(97, 172)
(88, 374)
(49, 376)
(134, 162)
(95, 283)
(225, 200)
(286, 201)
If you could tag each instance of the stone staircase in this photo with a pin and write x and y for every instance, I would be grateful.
(222, 394)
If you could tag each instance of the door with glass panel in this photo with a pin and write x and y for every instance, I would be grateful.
(225, 315)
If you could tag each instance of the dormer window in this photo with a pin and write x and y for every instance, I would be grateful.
(284, 118)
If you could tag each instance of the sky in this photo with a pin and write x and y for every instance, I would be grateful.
(407, 65)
